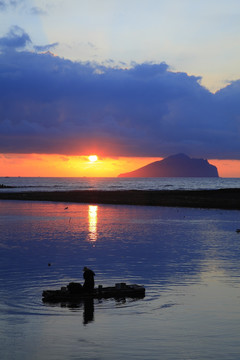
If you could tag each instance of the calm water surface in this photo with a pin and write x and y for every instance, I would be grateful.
(20, 184)
(188, 260)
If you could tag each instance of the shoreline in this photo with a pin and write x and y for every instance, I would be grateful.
(218, 199)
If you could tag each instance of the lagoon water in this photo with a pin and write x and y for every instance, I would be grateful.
(188, 260)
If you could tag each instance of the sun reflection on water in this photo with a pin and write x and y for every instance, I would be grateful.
(92, 222)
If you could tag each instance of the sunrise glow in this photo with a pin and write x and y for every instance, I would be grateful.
(30, 165)
(93, 158)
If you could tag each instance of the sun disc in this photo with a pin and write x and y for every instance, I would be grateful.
(92, 158)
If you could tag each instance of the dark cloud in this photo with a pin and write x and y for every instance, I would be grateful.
(16, 38)
(53, 105)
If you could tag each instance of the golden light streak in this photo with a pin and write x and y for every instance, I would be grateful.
(92, 222)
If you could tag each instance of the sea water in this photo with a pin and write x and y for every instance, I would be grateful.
(187, 259)
(20, 184)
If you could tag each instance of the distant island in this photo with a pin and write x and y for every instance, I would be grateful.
(179, 165)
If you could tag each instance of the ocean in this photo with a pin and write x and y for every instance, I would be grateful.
(187, 259)
(64, 184)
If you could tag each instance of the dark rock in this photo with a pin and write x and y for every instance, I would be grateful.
(75, 292)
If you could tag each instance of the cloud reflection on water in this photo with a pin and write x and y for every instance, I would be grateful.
(188, 260)
(147, 244)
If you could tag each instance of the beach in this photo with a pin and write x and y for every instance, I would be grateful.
(212, 199)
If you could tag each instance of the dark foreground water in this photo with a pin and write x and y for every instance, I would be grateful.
(188, 260)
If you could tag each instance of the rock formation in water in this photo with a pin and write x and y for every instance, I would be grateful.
(179, 165)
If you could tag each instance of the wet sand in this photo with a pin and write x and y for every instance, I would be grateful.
(219, 199)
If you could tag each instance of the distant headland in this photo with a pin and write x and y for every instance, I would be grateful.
(179, 165)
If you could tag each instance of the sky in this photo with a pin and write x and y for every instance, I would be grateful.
(130, 81)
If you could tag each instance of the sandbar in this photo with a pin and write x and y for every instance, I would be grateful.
(219, 199)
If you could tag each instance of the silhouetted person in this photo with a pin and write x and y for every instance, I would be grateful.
(88, 276)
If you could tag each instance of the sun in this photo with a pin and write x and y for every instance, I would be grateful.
(93, 158)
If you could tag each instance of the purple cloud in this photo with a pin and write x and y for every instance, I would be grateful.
(54, 105)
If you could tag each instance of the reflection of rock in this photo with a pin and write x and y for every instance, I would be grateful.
(175, 166)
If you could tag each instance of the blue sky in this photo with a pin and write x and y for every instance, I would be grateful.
(142, 78)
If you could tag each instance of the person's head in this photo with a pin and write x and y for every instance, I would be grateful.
(85, 268)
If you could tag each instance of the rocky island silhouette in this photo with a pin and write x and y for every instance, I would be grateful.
(179, 165)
